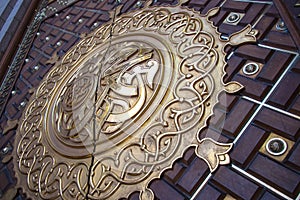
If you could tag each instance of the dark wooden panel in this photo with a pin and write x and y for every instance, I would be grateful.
(237, 118)
(286, 91)
(235, 184)
(193, 176)
(270, 196)
(271, 172)
(270, 35)
(273, 64)
(286, 95)
(208, 192)
(277, 122)
(293, 159)
(247, 146)
(251, 13)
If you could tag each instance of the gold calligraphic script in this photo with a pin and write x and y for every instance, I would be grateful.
(123, 104)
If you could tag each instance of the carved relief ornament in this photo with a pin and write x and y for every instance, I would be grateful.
(123, 104)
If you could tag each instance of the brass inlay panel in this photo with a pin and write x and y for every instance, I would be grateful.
(228, 197)
(123, 104)
(279, 158)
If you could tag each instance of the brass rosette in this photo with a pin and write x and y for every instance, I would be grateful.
(123, 104)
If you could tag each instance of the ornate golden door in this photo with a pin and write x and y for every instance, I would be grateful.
(153, 100)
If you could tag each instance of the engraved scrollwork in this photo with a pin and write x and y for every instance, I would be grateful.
(127, 83)
(150, 91)
(193, 88)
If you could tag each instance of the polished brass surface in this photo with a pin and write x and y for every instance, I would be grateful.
(233, 18)
(123, 104)
(255, 71)
(228, 197)
(281, 156)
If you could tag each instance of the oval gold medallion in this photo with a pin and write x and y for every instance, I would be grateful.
(123, 104)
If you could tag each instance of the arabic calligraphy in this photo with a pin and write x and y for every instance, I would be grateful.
(157, 85)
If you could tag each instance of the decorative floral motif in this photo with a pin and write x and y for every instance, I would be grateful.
(117, 111)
